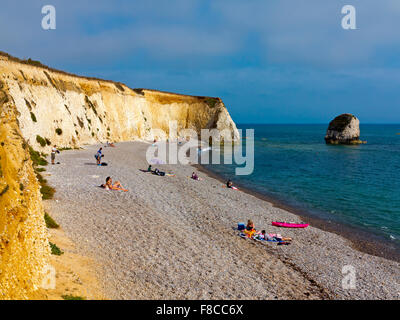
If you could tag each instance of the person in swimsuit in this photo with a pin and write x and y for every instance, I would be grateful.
(110, 186)
(250, 230)
(250, 225)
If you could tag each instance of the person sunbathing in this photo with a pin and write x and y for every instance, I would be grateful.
(158, 172)
(278, 237)
(195, 176)
(110, 144)
(110, 186)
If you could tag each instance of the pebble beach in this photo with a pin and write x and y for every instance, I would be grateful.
(173, 237)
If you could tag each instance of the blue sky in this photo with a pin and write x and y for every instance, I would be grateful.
(271, 61)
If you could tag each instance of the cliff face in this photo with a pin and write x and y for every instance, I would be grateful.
(344, 129)
(69, 111)
(24, 248)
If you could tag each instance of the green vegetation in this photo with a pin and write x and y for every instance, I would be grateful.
(92, 134)
(50, 223)
(41, 141)
(35, 63)
(59, 131)
(71, 297)
(47, 191)
(21, 187)
(55, 250)
(33, 117)
(48, 142)
(211, 102)
(64, 149)
(37, 158)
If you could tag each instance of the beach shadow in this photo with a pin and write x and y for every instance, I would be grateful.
(90, 164)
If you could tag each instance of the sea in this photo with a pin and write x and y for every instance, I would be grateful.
(355, 186)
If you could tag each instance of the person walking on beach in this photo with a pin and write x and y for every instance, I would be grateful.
(54, 150)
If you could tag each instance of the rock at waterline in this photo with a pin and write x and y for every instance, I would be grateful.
(344, 129)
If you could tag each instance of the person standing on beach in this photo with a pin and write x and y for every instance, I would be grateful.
(98, 156)
(54, 150)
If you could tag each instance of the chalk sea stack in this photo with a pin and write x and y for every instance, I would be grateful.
(344, 129)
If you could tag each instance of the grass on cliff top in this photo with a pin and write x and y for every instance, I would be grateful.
(211, 102)
(55, 250)
(71, 297)
(50, 222)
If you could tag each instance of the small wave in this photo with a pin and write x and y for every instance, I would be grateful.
(392, 237)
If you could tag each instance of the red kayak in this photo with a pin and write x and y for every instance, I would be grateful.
(289, 225)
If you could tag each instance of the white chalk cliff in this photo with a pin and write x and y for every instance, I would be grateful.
(70, 111)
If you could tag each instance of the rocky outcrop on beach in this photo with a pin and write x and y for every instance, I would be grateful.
(68, 110)
(344, 129)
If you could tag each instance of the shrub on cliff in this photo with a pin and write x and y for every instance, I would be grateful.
(59, 131)
(50, 223)
(41, 141)
(33, 117)
(36, 158)
(47, 191)
(55, 250)
(211, 102)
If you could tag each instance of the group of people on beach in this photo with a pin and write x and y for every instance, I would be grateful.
(251, 232)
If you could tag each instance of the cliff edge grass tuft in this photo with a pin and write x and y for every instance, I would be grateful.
(50, 222)
(211, 102)
(55, 250)
(59, 131)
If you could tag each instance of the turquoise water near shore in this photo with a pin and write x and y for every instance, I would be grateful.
(354, 185)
